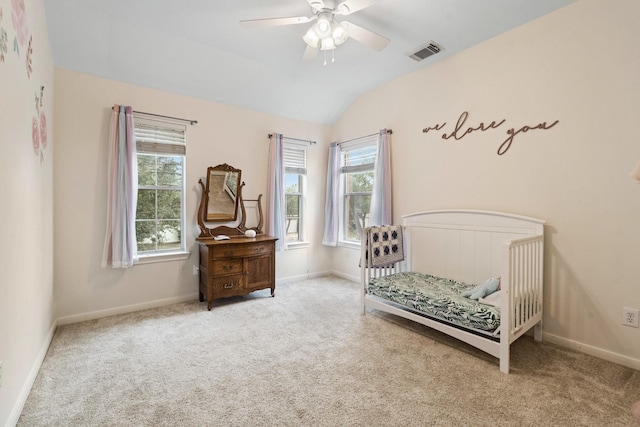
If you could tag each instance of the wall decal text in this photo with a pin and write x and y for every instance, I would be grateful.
(461, 130)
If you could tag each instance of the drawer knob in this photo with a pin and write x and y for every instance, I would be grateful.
(227, 285)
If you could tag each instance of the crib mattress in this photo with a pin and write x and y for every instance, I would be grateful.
(436, 297)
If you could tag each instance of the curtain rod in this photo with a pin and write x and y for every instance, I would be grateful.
(293, 139)
(389, 131)
(192, 122)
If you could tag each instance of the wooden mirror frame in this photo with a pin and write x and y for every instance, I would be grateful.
(241, 228)
(225, 207)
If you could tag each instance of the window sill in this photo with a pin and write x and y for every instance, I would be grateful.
(347, 244)
(162, 257)
(296, 245)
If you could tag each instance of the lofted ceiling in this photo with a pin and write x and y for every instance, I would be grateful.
(198, 47)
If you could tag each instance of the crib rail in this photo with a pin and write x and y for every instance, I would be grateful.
(368, 272)
(522, 282)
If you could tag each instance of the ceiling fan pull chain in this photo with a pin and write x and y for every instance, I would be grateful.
(325, 58)
(333, 56)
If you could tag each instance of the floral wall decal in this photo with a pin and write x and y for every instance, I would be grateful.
(22, 38)
(39, 127)
(23, 46)
(28, 60)
(3, 39)
(19, 19)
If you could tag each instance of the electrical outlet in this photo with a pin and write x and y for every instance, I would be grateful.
(196, 270)
(630, 317)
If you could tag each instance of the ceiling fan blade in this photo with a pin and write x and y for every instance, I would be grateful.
(316, 4)
(274, 22)
(366, 37)
(309, 54)
(347, 7)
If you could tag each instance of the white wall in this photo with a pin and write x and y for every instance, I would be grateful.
(26, 217)
(83, 289)
(579, 65)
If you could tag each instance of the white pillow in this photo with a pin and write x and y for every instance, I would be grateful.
(492, 299)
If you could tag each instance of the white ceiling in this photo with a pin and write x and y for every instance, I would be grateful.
(198, 48)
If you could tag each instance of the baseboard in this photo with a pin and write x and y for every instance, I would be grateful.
(346, 276)
(316, 275)
(320, 274)
(124, 309)
(292, 279)
(31, 378)
(609, 356)
(66, 320)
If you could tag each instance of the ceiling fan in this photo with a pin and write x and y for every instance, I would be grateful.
(327, 33)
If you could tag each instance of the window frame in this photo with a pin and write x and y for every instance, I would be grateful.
(345, 171)
(169, 147)
(296, 164)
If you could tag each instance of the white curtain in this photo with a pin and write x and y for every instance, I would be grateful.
(275, 191)
(332, 201)
(120, 249)
(380, 212)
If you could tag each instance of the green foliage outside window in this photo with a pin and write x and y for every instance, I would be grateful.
(292, 198)
(358, 189)
(159, 205)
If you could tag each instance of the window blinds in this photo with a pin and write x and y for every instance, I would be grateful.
(295, 159)
(160, 138)
(359, 155)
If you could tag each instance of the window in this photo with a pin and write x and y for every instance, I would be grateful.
(356, 170)
(295, 172)
(160, 212)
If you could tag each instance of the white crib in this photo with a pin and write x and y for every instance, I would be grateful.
(471, 246)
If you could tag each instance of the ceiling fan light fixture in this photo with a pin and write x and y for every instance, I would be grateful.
(339, 34)
(311, 37)
(323, 26)
(327, 43)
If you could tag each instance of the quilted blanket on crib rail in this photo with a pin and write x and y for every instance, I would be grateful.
(437, 297)
(384, 245)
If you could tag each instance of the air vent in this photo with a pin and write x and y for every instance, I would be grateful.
(430, 49)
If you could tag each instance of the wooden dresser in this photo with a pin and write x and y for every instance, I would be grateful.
(236, 266)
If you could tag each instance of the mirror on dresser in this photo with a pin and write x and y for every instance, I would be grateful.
(244, 260)
(221, 201)
(223, 182)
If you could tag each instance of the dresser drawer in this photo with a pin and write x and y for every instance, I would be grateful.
(236, 267)
(243, 250)
(226, 286)
(226, 266)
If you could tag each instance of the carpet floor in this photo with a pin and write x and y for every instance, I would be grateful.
(308, 357)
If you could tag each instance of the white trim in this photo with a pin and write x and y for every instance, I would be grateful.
(162, 257)
(600, 353)
(295, 245)
(92, 315)
(349, 244)
(14, 415)
(346, 276)
(317, 275)
(292, 279)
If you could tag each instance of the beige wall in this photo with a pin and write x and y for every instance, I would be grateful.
(26, 218)
(83, 289)
(581, 66)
